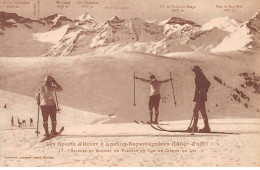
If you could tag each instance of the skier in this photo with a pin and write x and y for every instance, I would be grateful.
(12, 121)
(19, 123)
(45, 99)
(31, 122)
(24, 123)
(202, 86)
(5, 106)
(154, 99)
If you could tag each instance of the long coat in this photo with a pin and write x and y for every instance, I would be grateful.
(202, 86)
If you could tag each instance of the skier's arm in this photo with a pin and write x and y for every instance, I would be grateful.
(56, 85)
(165, 81)
(142, 79)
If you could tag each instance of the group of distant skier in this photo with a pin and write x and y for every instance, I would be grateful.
(46, 101)
(21, 124)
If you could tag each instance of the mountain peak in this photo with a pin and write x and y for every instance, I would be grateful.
(256, 15)
(52, 17)
(85, 16)
(114, 18)
(223, 23)
(176, 20)
(4, 16)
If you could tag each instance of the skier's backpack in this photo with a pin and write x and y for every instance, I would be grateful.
(206, 84)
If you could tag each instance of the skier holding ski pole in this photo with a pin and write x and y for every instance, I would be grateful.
(155, 97)
(45, 100)
(202, 86)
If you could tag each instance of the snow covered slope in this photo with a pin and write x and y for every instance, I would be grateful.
(56, 21)
(149, 37)
(76, 38)
(111, 144)
(84, 134)
(86, 21)
(23, 108)
(103, 83)
(113, 30)
(223, 23)
(212, 33)
(18, 34)
(246, 37)
(53, 36)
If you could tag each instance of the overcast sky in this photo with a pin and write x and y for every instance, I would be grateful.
(146, 9)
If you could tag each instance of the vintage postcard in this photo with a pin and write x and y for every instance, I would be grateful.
(129, 83)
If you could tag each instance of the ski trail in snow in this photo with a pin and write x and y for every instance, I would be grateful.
(106, 120)
(110, 116)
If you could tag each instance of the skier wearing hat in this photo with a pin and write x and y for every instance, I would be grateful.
(155, 97)
(45, 99)
(202, 86)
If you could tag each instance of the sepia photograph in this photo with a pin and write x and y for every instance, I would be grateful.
(129, 83)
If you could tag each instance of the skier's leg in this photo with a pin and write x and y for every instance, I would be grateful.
(196, 117)
(205, 117)
(45, 115)
(157, 104)
(151, 114)
(53, 120)
(156, 116)
(150, 105)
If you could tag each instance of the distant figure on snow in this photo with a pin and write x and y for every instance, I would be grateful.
(12, 121)
(45, 99)
(31, 122)
(24, 123)
(5, 106)
(202, 86)
(19, 123)
(155, 97)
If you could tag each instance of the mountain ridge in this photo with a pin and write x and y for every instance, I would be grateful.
(85, 34)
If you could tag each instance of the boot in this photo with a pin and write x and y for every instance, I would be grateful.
(206, 127)
(194, 127)
(45, 126)
(53, 130)
(191, 129)
(151, 118)
(156, 118)
(149, 122)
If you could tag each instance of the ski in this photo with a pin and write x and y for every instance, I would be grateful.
(49, 138)
(140, 123)
(185, 131)
(153, 123)
(143, 123)
(162, 129)
(156, 128)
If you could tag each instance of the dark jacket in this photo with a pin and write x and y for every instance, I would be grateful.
(202, 86)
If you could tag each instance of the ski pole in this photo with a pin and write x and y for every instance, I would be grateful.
(37, 132)
(191, 120)
(173, 89)
(134, 89)
(58, 109)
